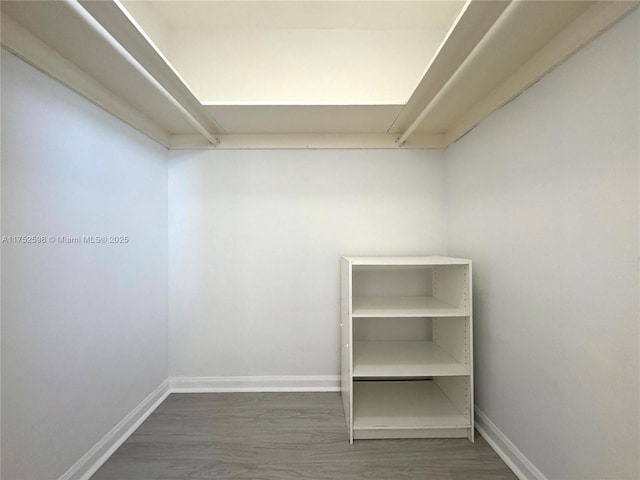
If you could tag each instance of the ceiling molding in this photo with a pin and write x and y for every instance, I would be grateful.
(307, 141)
(475, 20)
(594, 21)
(25, 45)
(124, 30)
(116, 20)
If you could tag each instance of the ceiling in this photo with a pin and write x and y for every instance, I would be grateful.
(345, 14)
(298, 53)
(302, 74)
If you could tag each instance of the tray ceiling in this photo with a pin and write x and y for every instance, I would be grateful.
(304, 74)
(302, 53)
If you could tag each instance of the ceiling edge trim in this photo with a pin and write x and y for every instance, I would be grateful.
(462, 68)
(106, 35)
(307, 141)
(119, 24)
(32, 50)
(591, 23)
(472, 25)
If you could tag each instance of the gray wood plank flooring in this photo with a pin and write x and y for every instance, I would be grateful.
(282, 436)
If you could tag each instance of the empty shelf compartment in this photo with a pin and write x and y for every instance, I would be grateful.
(404, 405)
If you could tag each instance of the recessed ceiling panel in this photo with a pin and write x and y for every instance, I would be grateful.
(307, 52)
(321, 14)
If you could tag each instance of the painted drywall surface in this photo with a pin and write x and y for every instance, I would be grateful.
(298, 52)
(328, 67)
(544, 197)
(84, 326)
(255, 239)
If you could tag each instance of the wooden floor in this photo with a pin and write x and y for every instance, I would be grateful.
(283, 436)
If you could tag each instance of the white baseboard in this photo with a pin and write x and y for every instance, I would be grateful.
(101, 451)
(314, 383)
(521, 466)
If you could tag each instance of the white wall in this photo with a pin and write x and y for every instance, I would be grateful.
(544, 197)
(255, 239)
(84, 327)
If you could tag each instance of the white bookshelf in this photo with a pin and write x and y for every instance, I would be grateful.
(407, 359)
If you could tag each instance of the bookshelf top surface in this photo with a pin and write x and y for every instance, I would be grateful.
(427, 260)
